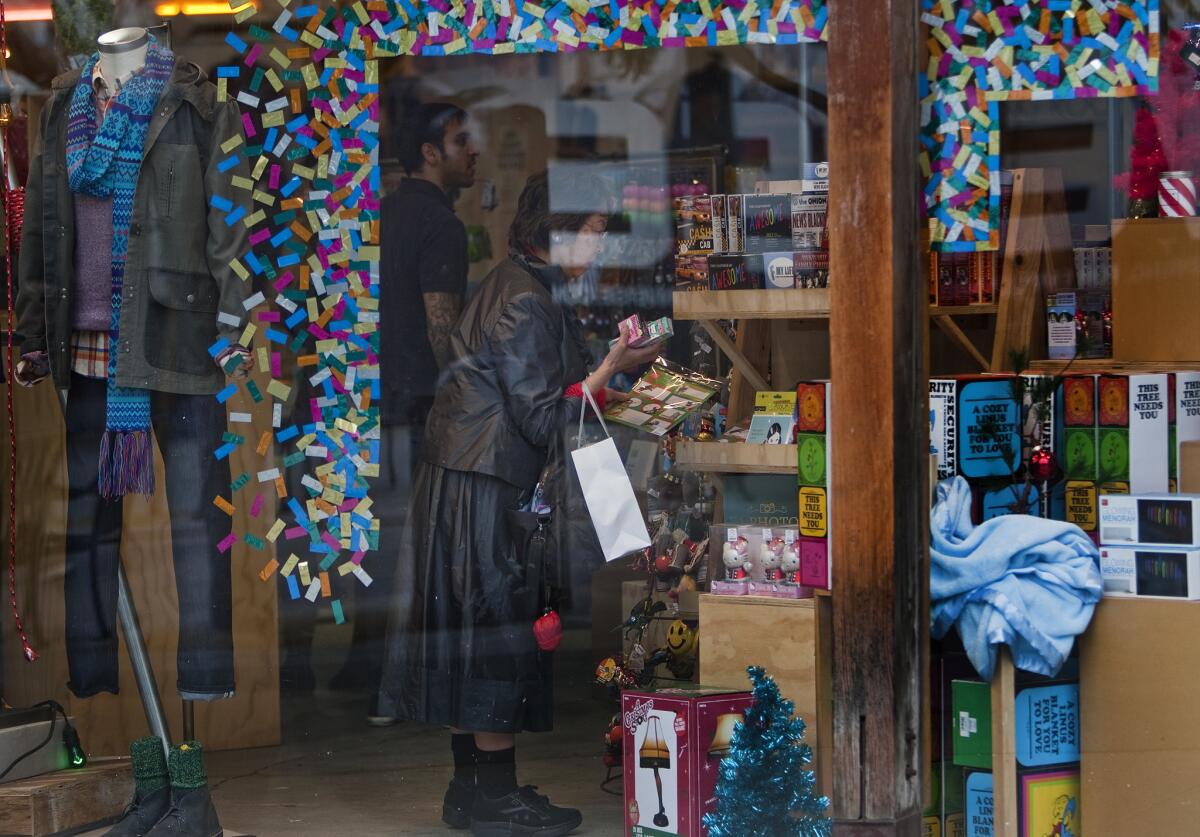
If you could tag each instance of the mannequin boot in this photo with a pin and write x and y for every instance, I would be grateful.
(192, 813)
(152, 789)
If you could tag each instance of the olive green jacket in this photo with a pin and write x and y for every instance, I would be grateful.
(177, 273)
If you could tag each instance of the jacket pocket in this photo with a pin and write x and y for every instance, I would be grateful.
(181, 321)
(178, 180)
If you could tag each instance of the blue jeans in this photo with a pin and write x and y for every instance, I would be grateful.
(187, 428)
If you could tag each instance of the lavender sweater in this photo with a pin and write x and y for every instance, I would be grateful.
(93, 263)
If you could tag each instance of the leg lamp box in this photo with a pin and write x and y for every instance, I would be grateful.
(674, 741)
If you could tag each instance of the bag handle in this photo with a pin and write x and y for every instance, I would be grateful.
(588, 399)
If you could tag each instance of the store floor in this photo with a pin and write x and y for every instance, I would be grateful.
(333, 775)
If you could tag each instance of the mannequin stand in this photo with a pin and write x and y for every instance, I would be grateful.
(140, 661)
(189, 720)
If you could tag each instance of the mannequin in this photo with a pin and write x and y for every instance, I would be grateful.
(122, 52)
(124, 284)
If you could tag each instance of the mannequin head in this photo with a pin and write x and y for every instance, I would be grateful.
(122, 51)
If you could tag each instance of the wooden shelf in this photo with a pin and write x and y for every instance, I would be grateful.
(776, 304)
(962, 310)
(769, 601)
(735, 457)
(1095, 365)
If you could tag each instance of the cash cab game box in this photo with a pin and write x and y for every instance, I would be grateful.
(674, 740)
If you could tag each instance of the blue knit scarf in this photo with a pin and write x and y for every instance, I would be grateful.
(105, 163)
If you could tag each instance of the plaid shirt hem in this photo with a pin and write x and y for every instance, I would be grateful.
(89, 353)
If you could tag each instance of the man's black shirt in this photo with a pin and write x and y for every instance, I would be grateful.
(424, 250)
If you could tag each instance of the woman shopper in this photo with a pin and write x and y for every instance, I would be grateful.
(461, 649)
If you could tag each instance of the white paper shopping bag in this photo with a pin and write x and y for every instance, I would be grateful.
(608, 493)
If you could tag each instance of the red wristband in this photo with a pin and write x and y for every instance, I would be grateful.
(576, 391)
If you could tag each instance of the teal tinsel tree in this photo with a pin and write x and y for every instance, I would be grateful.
(764, 787)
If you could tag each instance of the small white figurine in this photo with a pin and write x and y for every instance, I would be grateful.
(793, 561)
(735, 555)
(771, 558)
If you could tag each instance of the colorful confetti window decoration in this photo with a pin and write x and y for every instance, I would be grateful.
(307, 87)
(983, 52)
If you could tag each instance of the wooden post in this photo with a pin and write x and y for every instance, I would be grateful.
(880, 483)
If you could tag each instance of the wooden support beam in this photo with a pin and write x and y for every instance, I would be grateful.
(740, 362)
(951, 328)
(753, 340)
(880, 472)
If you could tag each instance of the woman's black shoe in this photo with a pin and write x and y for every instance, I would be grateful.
(522, 813)
(456, 807)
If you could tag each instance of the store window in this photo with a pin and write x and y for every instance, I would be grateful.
(317, 309)
(1061, 364)
(361, 301)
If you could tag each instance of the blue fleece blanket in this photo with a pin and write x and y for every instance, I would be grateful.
(1015, 580)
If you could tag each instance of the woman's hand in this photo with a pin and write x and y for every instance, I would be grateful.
(614, 396)
(622, 356)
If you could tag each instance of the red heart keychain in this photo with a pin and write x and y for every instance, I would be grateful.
(548, 630)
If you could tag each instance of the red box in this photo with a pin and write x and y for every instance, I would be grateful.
(674, 740)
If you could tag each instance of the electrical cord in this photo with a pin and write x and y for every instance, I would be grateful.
(70, 739)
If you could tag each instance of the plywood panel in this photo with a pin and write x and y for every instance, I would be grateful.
(1156, 289)
(1139, 676)
(782, 636)
(107, 723)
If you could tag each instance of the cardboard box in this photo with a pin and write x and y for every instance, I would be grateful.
(1184, 423)
(814, 460)
(1046, 720)
(1000, 501)
(691, 273)
(693, 225)
(1049, 803)
(1160, 573)
(674, 740)
(735, 224)
(732, 273)
(1150, 520)
(977, 801)
(971, 705)
(720, 224)
(943, 425)
(1189, 467)
(810, 239)
(1132, 442)
(778, 270)
(989, 441)
(1156, 289)
(1141, 744)
(1077, 415)
(768, 223)
(1060, 326)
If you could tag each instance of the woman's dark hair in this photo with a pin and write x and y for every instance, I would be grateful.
(585, 193)
(424, 123)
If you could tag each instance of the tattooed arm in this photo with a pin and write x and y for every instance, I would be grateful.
(441, 315)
